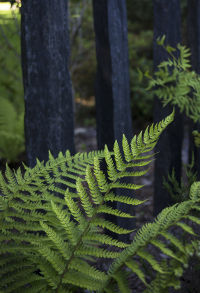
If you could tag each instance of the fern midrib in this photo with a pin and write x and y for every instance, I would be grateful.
(80, 240)
(79, 243)
(72, 256)
(81, 237)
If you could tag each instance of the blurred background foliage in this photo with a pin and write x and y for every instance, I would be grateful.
(10, 70)
(11, 87)
(83, 62)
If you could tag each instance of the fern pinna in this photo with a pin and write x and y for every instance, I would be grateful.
(52, 221)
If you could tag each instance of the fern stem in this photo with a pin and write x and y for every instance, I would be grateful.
(78, 245)
(74, 250)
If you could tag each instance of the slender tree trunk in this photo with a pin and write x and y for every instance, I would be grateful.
(112, 82)
(167, 21)
(193, 27)
(47, 84)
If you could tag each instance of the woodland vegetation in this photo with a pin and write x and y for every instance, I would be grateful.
(68, 220)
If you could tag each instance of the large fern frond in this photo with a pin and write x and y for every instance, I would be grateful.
(52, 222)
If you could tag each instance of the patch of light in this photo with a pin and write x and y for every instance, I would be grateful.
(5, 6)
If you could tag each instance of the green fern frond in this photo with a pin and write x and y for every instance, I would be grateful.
(174, 240)
(94, 190)
(174, 83)
(194, 191)
(100, 176)
(160, 245)
(149, 233)
(21, 284)
(57, 239)
(108, 210)
(82, 280)
(96, 251)
(82, 266)
(124, 199)
(121, 279)
(118, 157)
(36, 286)
(126, 148)
(110, 226)
(56, 210)
(134, 267)
(86, 204)
(104, 239)
(150, 259)
(53, 257)
(186, 228)
(126, 186)
(133, 174)
(65, 222)
(193, 219)
(74, 209)
(112, 172)
(49, 274)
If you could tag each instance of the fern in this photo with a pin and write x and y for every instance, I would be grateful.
(174, 83)
(52, 223)
(180, 191)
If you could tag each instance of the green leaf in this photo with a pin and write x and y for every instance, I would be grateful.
(133, 265)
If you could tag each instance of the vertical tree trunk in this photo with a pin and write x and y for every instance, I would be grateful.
(112, 83)
(167, 21)
(47, 84)
(193, 32)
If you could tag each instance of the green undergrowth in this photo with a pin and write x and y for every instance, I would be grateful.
(11, 90)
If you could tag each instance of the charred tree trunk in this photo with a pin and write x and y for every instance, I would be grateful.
(193, 27)
(112, 83)
(167, 21)
(47, 85)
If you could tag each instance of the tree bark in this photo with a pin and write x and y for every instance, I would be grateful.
(113, 109)
(49, 122)
(193, 35)
(112, 83)
(167, 21)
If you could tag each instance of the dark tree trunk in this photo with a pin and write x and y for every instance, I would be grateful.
(47, 84)
(167, 21)
(193, 27)
(112, 83)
